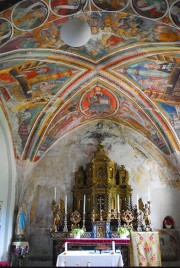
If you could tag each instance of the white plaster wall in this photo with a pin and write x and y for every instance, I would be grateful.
(7, 188)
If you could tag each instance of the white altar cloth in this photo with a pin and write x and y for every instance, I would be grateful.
(89, 258)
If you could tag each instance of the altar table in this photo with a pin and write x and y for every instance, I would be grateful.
(89, 258)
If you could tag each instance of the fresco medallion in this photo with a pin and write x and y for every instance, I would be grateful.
(107, 5)
(99, 101)
(66, 8)
(6, 31)
(175, 13)
(28, 15)
(150, 9)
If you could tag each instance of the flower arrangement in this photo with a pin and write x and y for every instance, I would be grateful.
(168, 220)
(77, 231)
(21, 252)
(123, 230)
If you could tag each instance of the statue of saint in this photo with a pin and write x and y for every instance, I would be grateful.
(21, 221)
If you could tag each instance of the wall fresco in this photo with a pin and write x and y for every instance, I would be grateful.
(109, 32)
(50, 98)
(6, 31)
(55, 121)
(174, 13)
(158, 79)
(173, 112)
(150, 9)
(28, 15)
(99, 101)
(71, 116)
(111, 5)
(65, 7)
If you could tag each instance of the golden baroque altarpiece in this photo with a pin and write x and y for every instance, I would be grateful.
(105, 185)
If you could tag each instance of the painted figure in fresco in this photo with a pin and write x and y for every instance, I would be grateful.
(30, 17)
(65, 7)
(99, 102)
(161, 67)
(5, 31)
(175, 14)
(150, 8)
(21, 221)
(165, 34)
(111, 5)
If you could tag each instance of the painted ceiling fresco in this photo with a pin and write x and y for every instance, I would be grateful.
(128, 72)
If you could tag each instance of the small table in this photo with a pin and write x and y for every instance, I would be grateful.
(89, 258)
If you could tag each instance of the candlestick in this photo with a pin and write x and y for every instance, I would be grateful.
(113, 247)
(65, 229)
(118, 204)
(137, 203)
(84, 205)
(66, 204)
(65, 246)
(119, 220)
(55, 193)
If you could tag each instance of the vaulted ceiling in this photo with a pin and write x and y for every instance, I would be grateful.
(127, 74)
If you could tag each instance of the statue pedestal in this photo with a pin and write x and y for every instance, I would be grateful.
(22, 244)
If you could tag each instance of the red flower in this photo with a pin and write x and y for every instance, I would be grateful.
(168, 220)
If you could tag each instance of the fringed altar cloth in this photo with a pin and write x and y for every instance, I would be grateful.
(145, 249)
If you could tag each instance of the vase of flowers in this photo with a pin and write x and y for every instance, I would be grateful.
(77, 232)
(123, 232)
(20, 253)
(168, 222)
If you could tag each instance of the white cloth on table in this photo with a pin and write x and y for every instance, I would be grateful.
(89, 258)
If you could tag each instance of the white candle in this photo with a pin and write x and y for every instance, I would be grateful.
(84, 205)
(55, 193)
(118, 204)
(66, 204)
(149, 195)
(65, 246)
(113, 246)
(137, 203)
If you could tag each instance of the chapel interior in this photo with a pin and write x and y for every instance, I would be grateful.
(89, 122)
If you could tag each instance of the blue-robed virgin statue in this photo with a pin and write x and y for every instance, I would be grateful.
(21, 221)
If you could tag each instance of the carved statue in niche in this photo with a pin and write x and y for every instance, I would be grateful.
(58, 211)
